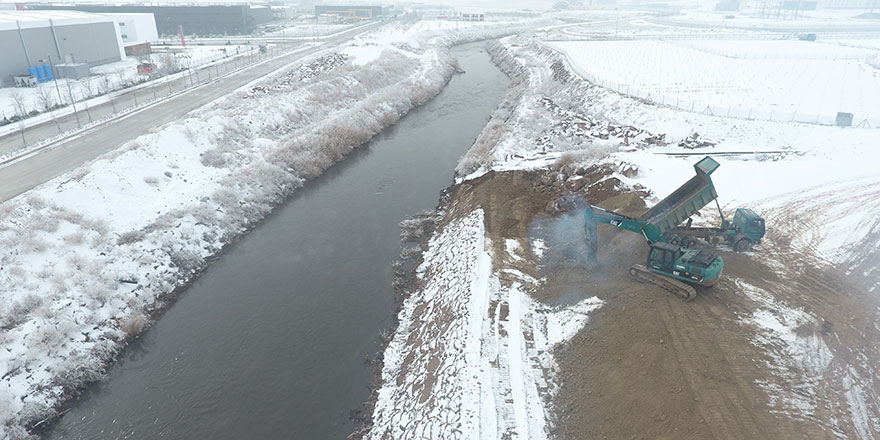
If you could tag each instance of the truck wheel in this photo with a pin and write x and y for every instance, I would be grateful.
(674, 240)
(690, 243)
(743, 245)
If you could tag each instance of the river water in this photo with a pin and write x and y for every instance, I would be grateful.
(270, 342)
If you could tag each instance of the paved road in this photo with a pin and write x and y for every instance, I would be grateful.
(131, 97)
(65, 155)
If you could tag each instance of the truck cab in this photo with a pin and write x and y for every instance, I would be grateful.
(749, 224)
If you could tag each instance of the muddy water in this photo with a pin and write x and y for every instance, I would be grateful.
(270, 342)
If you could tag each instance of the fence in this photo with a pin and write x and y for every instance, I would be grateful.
(143, 95)
(730, 111)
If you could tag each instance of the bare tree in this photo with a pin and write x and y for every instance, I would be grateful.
(120, 73)
(85, 94)
(18, 103)
(105, 86)
(88, 86)
(44, 98)
(170, 63)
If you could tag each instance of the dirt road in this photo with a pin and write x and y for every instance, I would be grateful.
(781, 348)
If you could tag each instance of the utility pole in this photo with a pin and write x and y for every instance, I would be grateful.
(69, 90)
(55, 78)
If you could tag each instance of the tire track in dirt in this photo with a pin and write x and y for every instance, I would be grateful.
(705, 366)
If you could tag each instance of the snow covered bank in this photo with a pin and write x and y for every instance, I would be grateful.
(93, 255)
(472, 357)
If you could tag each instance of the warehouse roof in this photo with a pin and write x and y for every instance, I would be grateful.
(34, 19)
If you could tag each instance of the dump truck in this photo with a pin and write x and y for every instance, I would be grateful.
(746, 229)
(668, 265)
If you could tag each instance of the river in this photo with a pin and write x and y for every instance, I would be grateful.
(270, 342)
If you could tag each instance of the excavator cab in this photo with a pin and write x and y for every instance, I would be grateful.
(662, 257)
(692, 266)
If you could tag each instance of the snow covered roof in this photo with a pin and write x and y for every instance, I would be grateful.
(35, 19)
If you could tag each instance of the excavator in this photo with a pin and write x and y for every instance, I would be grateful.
(670, 266)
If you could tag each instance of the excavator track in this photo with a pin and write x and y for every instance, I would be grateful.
(643, 275)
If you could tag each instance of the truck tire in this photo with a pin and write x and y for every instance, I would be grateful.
(674, 239)
(690, 243)
(743, 245)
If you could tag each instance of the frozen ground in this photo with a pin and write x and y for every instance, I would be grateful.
(780, 80)
(92, 255)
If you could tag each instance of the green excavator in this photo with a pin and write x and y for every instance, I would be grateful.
(669, 265)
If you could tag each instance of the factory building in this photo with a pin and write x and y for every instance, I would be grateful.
(352, 12)
(206, 20)
(71, 40)
(136, 31)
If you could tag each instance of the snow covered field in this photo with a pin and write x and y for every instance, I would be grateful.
(750, 79)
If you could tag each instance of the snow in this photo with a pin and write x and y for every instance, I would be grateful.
(472, 358)
(864, 421)
(774, 80)
(538, 247)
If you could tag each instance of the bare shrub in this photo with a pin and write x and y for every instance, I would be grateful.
(36, 245)
(35, 202)
(45, 273)
(98, 293)
(130, 237)
(44, 97)
(169, 63)
(416, 227)
(204, 214)
(18, 432)
(191, 135)
(21, 311)
(187, 261)
(135, 324)
(77, 261)
(46, 223)
(17, 272)
(88, 86)
(80, 173)
(18, 103)
(79, 369)
(215, 158)
(566, 159)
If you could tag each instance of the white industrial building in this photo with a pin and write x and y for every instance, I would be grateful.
(136, 31)
(73, 40)
(33, 39)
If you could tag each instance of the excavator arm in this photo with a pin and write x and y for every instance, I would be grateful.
(595, 215)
